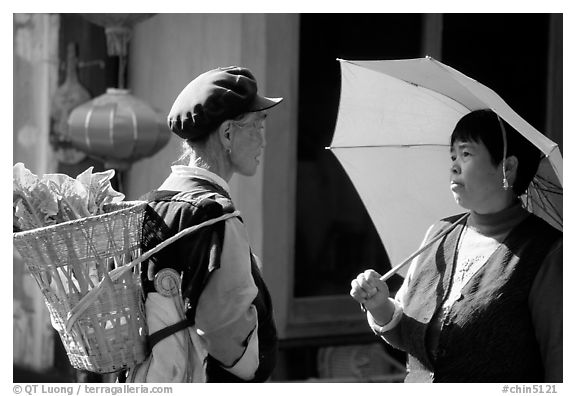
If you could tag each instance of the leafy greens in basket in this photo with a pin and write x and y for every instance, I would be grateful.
(56, 198)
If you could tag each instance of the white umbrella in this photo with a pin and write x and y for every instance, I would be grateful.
(392, 137)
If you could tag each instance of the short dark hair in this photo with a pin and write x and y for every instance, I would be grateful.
(484, 126)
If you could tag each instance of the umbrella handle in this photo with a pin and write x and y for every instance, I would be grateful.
(389, 274)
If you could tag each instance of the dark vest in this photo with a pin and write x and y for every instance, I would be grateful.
(196, 256)
(487, 335)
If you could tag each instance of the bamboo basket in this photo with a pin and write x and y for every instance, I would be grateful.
(99, 318)
(88, 272)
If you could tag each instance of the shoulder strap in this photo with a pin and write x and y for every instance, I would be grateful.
(167, 331)
(159, 195)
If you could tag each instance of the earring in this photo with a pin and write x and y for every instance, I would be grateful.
(505, 184)
(229, 151)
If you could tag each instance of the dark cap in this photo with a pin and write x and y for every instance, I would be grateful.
(214, 97)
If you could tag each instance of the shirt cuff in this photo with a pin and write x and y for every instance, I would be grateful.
(246, 367)
(379, 329)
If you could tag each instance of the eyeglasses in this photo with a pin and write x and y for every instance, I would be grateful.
(257, 124)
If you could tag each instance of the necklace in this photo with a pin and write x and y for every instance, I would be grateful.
(463, 268)
(466, 264)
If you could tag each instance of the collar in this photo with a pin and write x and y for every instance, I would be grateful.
(499, 222)
(181, 173)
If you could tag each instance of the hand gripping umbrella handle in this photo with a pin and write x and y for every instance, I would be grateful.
(389, 274)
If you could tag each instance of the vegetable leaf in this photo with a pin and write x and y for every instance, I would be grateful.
(57, 197)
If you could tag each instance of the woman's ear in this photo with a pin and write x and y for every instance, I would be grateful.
(511, 167)
(225, 134)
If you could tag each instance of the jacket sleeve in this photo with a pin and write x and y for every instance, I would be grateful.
(226, 319)
(545, 303)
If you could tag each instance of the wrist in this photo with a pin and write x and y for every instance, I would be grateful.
(387, 324)
(383, 314)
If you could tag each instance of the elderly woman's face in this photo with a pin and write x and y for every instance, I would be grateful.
(475, 182)
(248, 143)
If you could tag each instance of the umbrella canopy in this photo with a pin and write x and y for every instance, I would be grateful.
(392, 137)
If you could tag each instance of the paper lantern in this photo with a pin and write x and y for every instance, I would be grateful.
(117, 128)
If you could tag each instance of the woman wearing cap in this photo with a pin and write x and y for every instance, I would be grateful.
(217, 326)
(484, 302)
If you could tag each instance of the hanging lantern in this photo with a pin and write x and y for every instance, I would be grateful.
(118, 29)
(117, 128)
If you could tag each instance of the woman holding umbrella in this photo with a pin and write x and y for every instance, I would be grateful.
(484, 302)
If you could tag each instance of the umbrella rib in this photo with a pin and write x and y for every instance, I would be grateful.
(545, 199)
(540, 202)
(546, 186)
(546, 190)
(442, 67)
(547, 183)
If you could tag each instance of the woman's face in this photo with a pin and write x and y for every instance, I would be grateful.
(248, 143)
(475, 182)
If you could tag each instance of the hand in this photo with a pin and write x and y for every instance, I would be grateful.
(373, 293)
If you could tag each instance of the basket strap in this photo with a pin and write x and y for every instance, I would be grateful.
(116, 273)
(167, 331)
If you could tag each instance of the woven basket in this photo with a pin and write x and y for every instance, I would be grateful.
(99, 317)
(88, 271)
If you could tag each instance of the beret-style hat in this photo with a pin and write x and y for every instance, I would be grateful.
(214, 97)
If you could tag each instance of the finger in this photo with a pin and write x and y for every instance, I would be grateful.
(371, 274)
(357, 292)
(373, 280)
(369, 285)
(357, 297)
